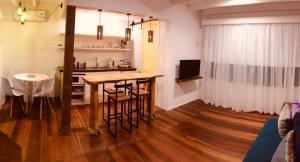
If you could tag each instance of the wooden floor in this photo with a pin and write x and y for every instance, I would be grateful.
(192, 132)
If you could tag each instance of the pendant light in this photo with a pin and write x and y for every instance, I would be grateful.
(100, 27)
(128, 31)
(20, 10)
(150, 32)
(23, 16)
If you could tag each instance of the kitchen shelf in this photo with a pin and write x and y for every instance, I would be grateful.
(100, 49)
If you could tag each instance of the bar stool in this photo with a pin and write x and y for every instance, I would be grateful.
(108, 91)
(140, 95)
(122, 98)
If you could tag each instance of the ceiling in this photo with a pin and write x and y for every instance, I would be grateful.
(33, 3)
(195, 5)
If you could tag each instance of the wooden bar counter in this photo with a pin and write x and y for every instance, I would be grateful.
(94, 81)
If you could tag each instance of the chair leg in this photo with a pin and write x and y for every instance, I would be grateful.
(41, 108)
(137, 111)
(103, 104)
(116, 117)
(49, 104)
(108, 113)
(27, 107)
(130, 105)
(122, 111)
(149, 108)
(20, 101)
(143, 105)
(11, 106)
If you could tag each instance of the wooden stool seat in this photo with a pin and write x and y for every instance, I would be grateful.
(141, 92)
(112, 91)
(120, 97)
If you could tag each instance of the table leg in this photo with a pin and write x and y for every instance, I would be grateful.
(153, 80)
(26, 108)
(93, 111)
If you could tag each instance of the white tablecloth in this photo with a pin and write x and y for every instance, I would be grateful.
(29, 84)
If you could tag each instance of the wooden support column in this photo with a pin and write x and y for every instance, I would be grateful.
(68, 69)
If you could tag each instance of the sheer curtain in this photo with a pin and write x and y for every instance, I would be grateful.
(2, 99)
(250, 67)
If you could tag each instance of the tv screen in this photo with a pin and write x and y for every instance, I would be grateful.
(189, 69)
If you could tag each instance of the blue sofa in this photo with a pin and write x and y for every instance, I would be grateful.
(265, 143)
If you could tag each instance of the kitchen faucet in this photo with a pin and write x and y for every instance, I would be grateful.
(97, 62)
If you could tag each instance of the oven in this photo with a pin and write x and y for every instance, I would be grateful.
(77, 78)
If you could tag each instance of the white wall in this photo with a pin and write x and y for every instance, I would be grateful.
(114, 30)
(31, 47)
(183, 36)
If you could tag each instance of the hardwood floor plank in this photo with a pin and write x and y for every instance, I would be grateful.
(192, 132)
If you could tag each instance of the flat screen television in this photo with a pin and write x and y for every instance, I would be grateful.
(189, 69)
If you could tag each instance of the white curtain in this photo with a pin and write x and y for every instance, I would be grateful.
(251, 67)
(2, 99)
(1, 64)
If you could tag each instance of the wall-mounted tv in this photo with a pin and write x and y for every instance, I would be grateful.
(189, 69)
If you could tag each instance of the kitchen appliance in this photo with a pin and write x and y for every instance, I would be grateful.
(124, 63)
(77, 78)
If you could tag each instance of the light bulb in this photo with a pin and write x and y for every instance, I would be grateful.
(20, 10)
(23, 16)
(23, 20)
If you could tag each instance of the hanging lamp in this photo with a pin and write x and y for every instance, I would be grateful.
(20, 10)
(150, 32)
(100, 27)
(128, 31)
(23, 17)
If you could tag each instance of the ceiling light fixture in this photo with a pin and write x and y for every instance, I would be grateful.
(150, 32)
(100, 27)
(23, 17)
(128, 30)
(20, 10)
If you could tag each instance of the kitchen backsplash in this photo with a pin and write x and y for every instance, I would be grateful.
(103, 58)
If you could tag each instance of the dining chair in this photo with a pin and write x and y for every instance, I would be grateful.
(45, 93)
(12, 93)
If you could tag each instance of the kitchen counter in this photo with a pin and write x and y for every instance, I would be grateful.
(100, 69)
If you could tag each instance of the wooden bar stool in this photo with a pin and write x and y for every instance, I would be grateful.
(123, 98)
(108, 91)
(141, 94)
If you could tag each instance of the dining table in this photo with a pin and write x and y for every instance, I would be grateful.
(29, 84)
(95, 80)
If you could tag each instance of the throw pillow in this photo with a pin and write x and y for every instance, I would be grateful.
(285, 122)
(296, 121)
(295, 108)
(285, 151)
